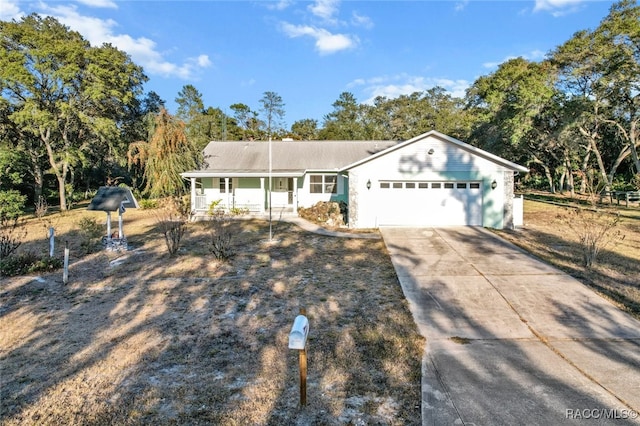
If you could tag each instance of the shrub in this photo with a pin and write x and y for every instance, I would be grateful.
(172, 222)
(11, 204)
(41, 207)
(148, 203)
(595, 230)
(238, 211)
(214, 210)
(11, 235)
(26, 263)
(90, 232)
(325, 213)
(220, 238)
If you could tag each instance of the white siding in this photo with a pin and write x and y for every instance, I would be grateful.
(413, 162)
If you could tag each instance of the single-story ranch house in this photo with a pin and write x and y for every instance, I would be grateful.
(430, 180)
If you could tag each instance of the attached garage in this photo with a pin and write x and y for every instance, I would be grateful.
(431, 180)
(429, 203)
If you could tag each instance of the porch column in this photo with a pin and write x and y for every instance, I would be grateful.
(226, 190)
(263, 195)
(193, 194)
(295, 195)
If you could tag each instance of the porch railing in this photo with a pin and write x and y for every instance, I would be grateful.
(201, 202)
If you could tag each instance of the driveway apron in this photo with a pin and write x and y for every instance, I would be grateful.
(510, 339)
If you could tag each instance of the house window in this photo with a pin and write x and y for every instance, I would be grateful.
(448, 185)
(436, 185)
(397, 185)
(384, 185)
(224, 188)
(474, 185)
(410, 185)
(323, 184)
(423, 185)
(461, 185)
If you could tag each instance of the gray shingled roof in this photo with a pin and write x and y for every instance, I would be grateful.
(287, 156)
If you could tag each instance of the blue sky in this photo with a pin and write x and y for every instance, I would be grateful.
(309, 52)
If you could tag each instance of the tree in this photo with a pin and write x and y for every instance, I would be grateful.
(165, 156)
(306, 129)
(273, 111)
(190, 103)
(66, 97)
(514, 108)
(600, 74)
(345, 121)
(247, 120)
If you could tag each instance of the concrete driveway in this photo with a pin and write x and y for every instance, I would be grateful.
(512, 340)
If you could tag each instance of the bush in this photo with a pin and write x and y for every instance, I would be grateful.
(27, 263)
(11, 235)
(595, 230)
(11, 204)
(90, 232)
(326, 213)
(220, 238)
(214, 210)
(148, 203)
(172, 221)
(238, 211)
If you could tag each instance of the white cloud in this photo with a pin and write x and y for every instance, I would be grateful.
(204, 61)
(9, 10)
(248, 83)
(557, 7)
(99, 3)
(534, 55)
(404, 84)
(142, 50)
(361, 21)
(278, 5)
(325, 9)
(325, 42)
(461, 5)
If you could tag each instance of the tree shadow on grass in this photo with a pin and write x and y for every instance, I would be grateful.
(142, 337)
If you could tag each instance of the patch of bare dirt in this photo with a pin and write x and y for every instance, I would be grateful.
(143, 338)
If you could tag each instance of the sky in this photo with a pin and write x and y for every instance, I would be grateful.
(309, 52)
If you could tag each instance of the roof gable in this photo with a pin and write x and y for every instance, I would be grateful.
(448, 139)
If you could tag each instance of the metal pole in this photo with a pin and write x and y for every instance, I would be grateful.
(65, 273)
(120, 232)
(108, 226)
(270, 180)
(51, 241)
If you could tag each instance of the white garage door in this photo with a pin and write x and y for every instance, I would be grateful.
(413, 203)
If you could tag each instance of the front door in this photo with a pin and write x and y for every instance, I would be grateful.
(281, 195)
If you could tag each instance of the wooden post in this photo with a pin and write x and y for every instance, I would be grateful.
(302, 360)
(65, 273)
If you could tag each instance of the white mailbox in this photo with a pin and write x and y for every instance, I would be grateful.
(299, 333)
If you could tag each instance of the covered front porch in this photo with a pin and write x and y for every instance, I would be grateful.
(243, 193)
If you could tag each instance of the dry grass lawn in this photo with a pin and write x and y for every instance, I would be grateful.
(143, 338)
(616, 273)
